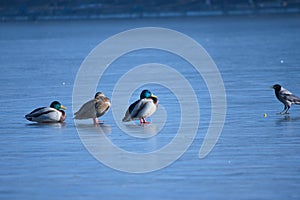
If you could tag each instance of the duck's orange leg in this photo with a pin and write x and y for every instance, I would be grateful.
(143, 121)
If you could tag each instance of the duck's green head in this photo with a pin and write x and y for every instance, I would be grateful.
(57, 105)
(146, 94)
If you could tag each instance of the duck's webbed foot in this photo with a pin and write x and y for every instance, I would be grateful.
(143, 121)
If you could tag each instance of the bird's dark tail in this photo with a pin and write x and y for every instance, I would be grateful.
(297, 101)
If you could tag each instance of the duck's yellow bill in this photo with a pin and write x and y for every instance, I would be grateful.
(153, 96)
(62, 107)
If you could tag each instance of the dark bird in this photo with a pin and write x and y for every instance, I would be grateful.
(142, 108)
(286, 97)
(94, 108)
(50, 114)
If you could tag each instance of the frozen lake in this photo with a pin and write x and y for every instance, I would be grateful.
(256, 157)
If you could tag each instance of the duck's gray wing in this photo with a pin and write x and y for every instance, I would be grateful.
(86, 111)
(129, 113)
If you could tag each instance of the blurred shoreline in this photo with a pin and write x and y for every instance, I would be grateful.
(16, 10)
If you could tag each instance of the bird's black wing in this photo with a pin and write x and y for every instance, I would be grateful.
(40, 111)
(292, 98)
(36, 110)
(288, 96)
(131, 107)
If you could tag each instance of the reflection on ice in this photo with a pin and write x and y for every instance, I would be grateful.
(141, 131)
(55, 125)
(287, 118)
(91, 128)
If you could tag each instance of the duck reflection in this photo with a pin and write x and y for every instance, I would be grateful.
(141, 131)
(100, 128)
(54, 125)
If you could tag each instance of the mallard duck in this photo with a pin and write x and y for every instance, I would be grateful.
(50, 114)
(94, 108)
(286, 97)
(142, 108)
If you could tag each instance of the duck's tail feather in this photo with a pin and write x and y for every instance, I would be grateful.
(127, 117)
(28, 117)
